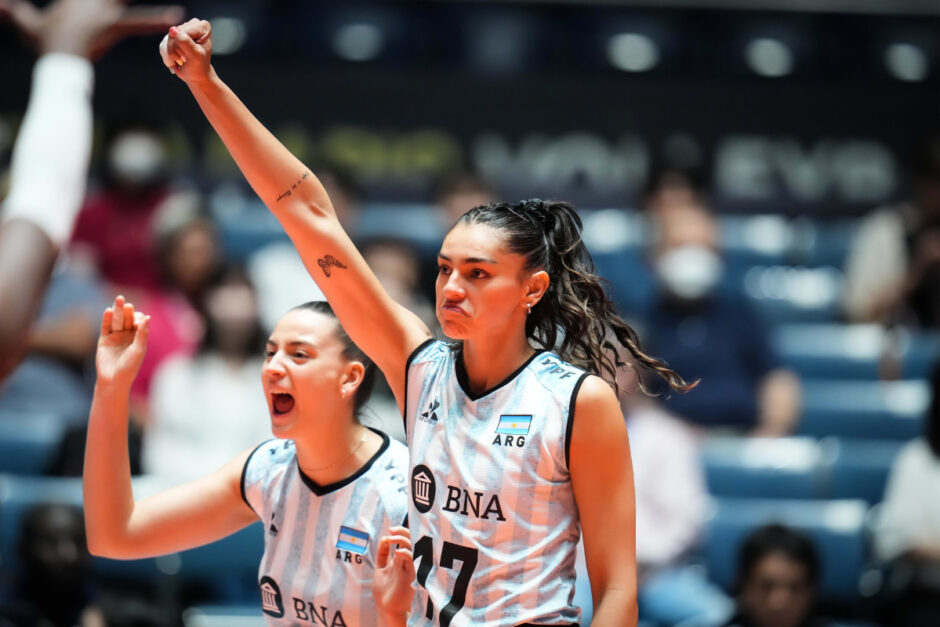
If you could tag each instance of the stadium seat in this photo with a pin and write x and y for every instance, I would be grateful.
(789, 294)
(840, 351)
(28, 443)
(761, 467)
(858, 469)
(863, 409)
(19, 494)
(836, 527)
(227, 567)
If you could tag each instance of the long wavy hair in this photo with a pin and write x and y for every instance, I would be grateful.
(574, 317)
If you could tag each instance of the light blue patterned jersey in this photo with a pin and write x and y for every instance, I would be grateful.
(492, 512)
(320, 541)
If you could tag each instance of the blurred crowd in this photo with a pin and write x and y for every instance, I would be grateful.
(198, 399)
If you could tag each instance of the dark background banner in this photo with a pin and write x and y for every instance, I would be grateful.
(832, 138)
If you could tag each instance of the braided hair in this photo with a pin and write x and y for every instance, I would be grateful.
(575, 307)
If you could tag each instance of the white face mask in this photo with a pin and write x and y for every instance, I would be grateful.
(689, 272)
(136, 157)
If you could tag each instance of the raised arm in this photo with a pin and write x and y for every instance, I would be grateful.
(602, 477)
(50, 157)
(386, 331)
(183, 517)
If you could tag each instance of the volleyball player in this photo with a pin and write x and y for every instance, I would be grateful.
(514, 449)
(50, 157)
(325, 489)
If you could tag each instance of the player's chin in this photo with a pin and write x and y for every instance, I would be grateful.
(452, 330)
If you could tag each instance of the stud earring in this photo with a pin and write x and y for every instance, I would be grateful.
(528, 308)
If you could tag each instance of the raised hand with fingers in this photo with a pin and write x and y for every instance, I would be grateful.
(122, 343)
(186, 50)
(392, 585)
(86, 28)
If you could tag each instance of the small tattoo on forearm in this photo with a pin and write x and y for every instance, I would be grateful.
(328, 261)
(292, 187)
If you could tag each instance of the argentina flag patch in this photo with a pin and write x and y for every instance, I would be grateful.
(352, 540)
(514, 424)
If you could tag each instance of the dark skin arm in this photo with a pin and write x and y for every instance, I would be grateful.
(27, 256)
(85, 28)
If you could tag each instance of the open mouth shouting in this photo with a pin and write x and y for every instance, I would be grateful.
(282, 403)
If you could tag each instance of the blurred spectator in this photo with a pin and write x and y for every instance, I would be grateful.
(188, 256)
(397, 267)
(458, 193)
(909, 532)
(670, 187)
(778, 575)
(187, 245)
(211, 406)
(54, 587)
(705, 331)
(276, 270)
(56, 376)
(671, 502)
(115, 229)
(893, 269)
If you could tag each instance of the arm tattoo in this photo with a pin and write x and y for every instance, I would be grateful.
(327, 261)
(287, 192)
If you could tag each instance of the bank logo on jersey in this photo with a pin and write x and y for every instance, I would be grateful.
(430, 416)
(352, 540)
(514, 424)
(423, 488)
(271, 601)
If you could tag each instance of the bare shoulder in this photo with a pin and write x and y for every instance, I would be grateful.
(595, 394)
(597, 413)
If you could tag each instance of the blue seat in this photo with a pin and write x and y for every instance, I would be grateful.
(249, 230)
(858, 469)
(864, 409)
(837, 528)
(839, 351)
(229, 566)
(791, 294)
(757, 467)
(19, 494)
(29, 442)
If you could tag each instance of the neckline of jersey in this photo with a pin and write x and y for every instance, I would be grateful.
(319, 490)
(464, 382)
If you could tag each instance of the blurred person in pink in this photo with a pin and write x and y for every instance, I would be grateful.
(205, 408)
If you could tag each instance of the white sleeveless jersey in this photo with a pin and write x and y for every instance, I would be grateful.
(320, 541)
(492, 513)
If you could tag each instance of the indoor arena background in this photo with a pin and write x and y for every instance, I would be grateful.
(796, 141)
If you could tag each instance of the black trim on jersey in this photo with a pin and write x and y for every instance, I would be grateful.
(408, 361)
(570, 425)
(245, 472)
(332, 487)
(461, 371)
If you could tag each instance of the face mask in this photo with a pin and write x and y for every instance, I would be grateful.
(136, 158)
(689, 272)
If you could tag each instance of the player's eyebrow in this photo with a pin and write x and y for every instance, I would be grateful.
(468, 259)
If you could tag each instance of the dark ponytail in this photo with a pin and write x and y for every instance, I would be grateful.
(548, 235)
(350, 351)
